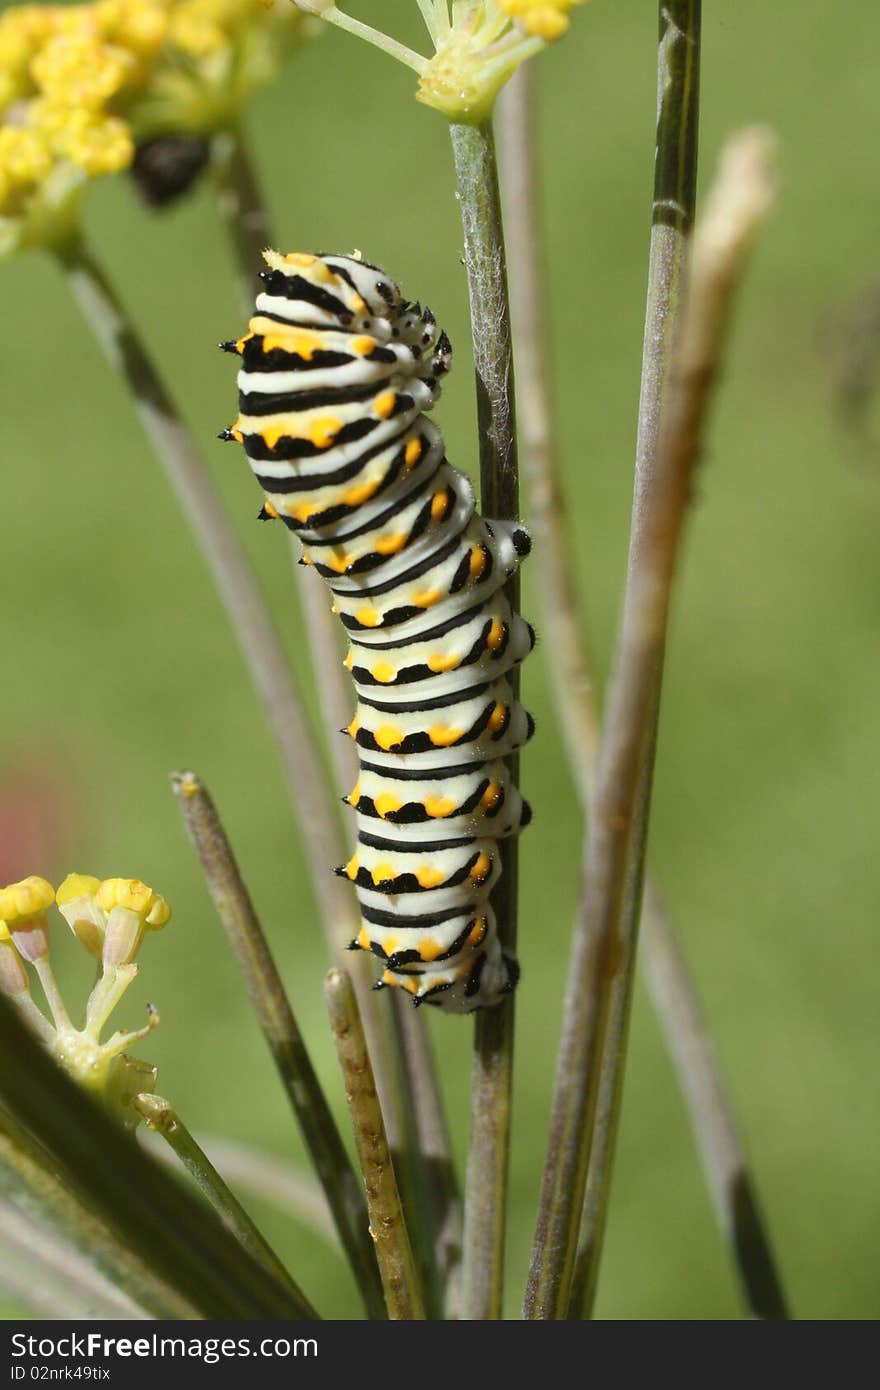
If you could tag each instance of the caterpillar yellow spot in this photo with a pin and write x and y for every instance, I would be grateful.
(362, 493)
(389, 945)
(302, 259)
(388, 736)
(383, 672)
(412, 452)
(239, 346)
(339, 563)
(430, 950)
(270, 509)
(481, 868)
(323, 431)
(363, 939)
(428, 877)
(300, 511)
(354, 795)
(477, 932)
(442, 736)
(384, 404)
(354, 726)
(363, 345)
(496, 635)
(387, 803)
(358, 304)
(439, 806)
(351, 868)
(389, 545)
(439, 506)
(382, 873)
(348, 661)
(477, 562)
(426, 598)
(368, 616)
(497, 717)
(443, 663)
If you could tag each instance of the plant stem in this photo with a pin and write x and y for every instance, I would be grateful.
(281, 1031)
(615, 844)
(570, 672)
(403, 1295)
(164, 1120)
(182, 1244)
(676, 1004)
(435, 1209)
(234, 580)
(30, 1183)
(485, 1208)
(293, 1191)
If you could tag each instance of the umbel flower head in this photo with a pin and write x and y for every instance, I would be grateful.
(478, 45)
(82, 85)
(109, 919)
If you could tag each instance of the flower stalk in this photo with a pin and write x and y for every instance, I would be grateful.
(403, 1295)
(492, 1066)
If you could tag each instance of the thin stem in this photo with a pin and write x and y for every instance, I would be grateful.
(145, 1208)
(164, 1120)
(333, 15)
(31, 1184)
(294, 1192)
(33, 1016)
(403, 1295)
(245, 606)
(46, 976)
(435, 1209)
(281, 1031)
(492, 1068)
(613, 847)
(570, 673)
(243, 212)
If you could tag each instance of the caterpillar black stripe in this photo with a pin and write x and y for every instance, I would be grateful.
(337, 373)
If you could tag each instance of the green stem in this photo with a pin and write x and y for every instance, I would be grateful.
(182, 1244)
(164, 1119)
(492, 1067)
(281, 1031)
(433, 1203)
(674, 200)
(615, 843)
(403, 1295)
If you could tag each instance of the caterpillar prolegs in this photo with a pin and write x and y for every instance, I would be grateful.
(337, 373)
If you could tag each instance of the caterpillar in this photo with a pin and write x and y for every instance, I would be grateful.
(337, 372)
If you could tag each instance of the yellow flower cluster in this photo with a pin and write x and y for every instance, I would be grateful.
(547, 19)
(81, 84)
(109, 918)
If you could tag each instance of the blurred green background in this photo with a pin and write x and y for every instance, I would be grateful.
(120, 665)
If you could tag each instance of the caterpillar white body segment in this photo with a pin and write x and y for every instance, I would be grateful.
(337, 373)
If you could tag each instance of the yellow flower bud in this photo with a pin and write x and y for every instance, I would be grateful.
(547, 19)
(77, 886)
(22, 901)
(131, 893)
